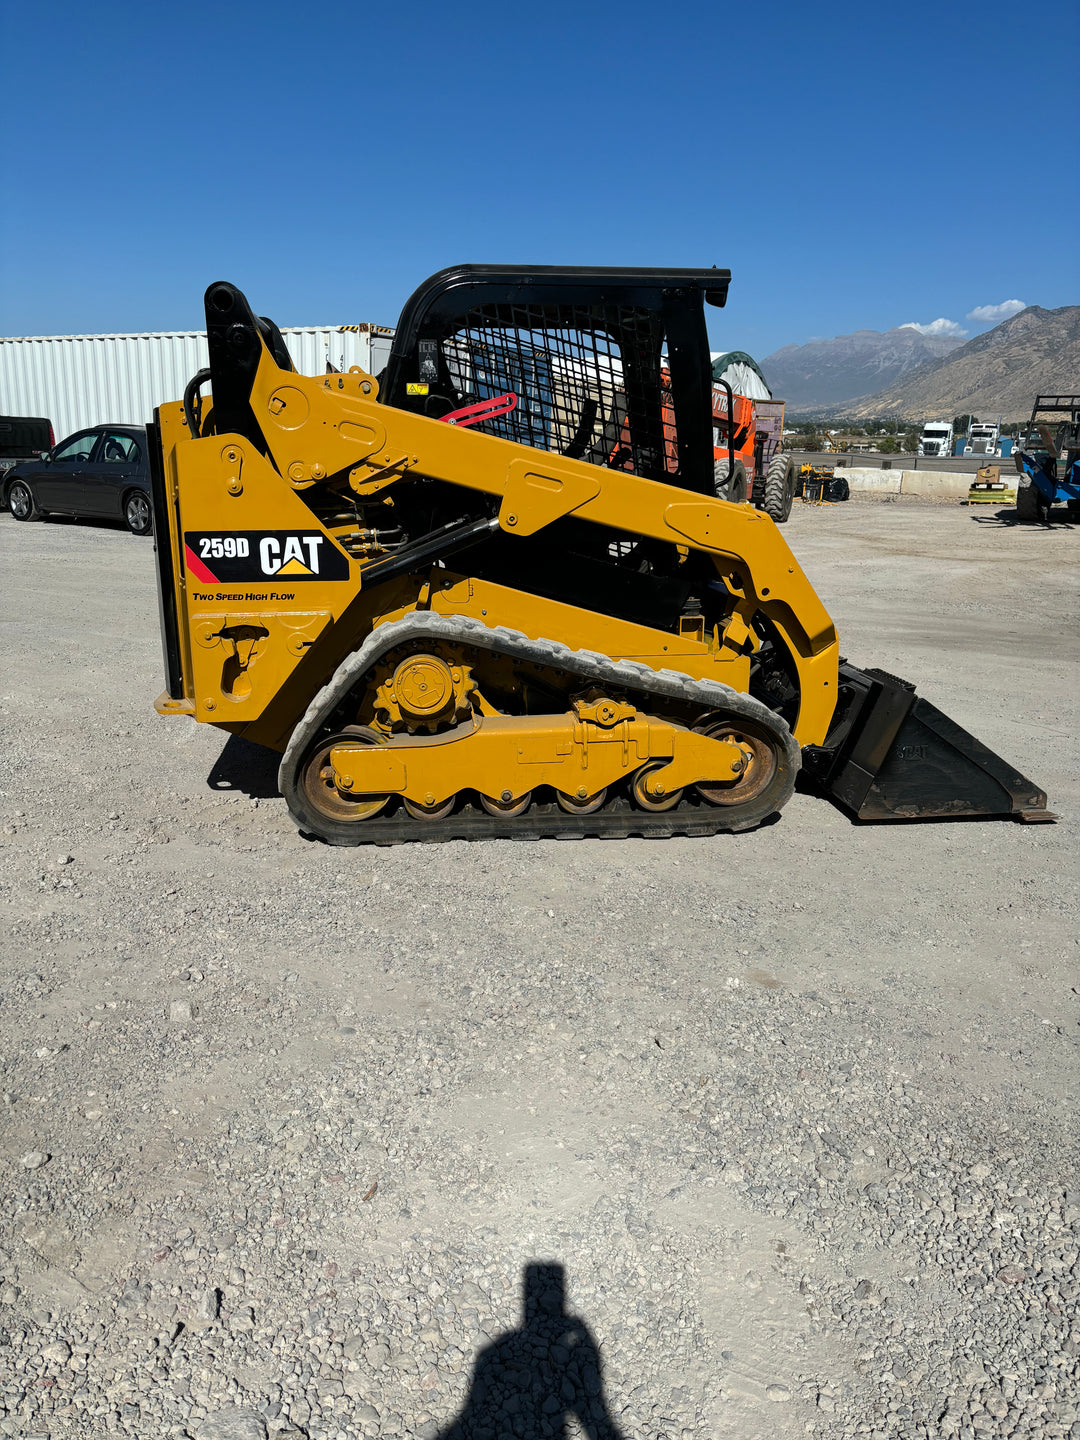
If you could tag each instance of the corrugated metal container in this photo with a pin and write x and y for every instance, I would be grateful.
(81, 380)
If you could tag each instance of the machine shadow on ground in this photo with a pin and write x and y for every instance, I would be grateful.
(530, 1381)
(251, 769)
(1059, 520)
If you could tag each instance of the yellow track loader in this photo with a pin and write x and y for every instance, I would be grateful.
(493, 592)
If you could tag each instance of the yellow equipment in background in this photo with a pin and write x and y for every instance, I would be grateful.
(493, 591)
(814, 483)
(988, 488)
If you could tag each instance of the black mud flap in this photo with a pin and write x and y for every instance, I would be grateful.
(891, 755)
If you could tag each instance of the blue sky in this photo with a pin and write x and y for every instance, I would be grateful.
(855, 166)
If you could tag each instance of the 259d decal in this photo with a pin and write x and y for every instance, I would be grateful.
(222, 558)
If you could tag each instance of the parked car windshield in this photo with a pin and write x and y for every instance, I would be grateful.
(78, 449)
(120, 449)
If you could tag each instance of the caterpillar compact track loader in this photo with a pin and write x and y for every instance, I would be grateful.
(493, 592)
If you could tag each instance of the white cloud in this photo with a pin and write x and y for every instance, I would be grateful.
(994, 314)
(936, 327)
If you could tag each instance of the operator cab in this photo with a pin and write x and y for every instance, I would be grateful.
(609, 366)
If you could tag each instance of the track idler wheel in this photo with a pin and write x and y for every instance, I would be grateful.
(317, 780)
(580, 803)
(759, 762)
(421, 811)
(507, 806)
(658, 799)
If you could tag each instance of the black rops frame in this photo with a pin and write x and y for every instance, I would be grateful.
(442, 304)
(169, 623)
(233, 334)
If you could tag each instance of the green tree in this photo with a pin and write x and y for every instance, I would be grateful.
(960, 424)
(887, 445)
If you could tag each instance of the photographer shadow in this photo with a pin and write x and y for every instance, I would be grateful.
(529, 1382)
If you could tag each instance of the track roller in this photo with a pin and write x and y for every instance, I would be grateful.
(507, 806)
(432, 811)
(582, 803)
(653, 799)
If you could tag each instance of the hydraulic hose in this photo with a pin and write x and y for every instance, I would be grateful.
(193, 402)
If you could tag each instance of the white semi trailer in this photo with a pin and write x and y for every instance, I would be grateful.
(936, 438)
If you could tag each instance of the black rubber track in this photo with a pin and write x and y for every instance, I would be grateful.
(617, 821)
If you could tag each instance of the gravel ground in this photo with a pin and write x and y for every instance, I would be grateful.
(307, 1141)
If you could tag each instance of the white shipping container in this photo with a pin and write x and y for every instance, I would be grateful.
(81, 380)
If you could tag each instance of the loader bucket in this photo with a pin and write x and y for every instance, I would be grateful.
(891, 755)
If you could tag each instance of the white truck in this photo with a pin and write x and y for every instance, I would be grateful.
(936, 438)
(984, 437)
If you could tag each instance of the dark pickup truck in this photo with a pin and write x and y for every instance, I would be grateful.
(22, 438)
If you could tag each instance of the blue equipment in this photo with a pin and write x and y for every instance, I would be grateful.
(1038, 459)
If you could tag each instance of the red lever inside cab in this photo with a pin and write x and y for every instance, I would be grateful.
(483, 410)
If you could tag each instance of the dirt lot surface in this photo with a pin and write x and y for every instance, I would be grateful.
(284, 1126)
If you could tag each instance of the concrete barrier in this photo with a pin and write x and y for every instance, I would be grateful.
(863, 480)
(928, 484)
(936, 484)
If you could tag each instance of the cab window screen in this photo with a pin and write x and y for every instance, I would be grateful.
(589, 385)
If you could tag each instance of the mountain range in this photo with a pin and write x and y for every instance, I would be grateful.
(825, 373)
(998, 373)
(903, 374)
